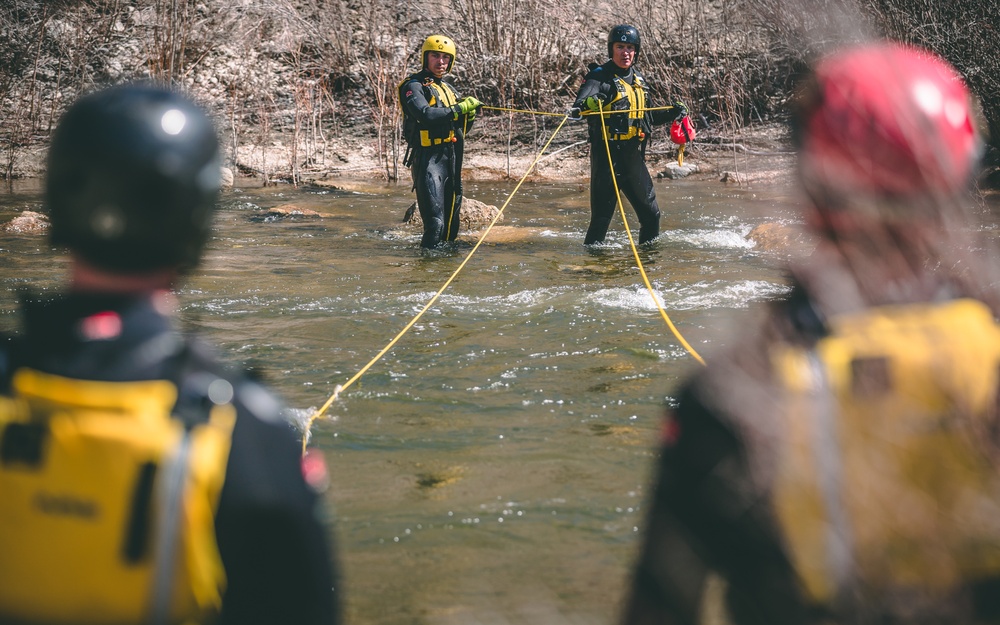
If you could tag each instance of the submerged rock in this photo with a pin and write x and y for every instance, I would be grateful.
(776, 237)
(474, 215)
(28, 222)
(286, 211)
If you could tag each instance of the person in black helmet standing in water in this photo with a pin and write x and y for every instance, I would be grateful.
(435, 122)
(618, 86)
(142, 481)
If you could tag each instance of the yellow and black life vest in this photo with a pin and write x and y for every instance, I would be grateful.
(109, 502)
(438, 93)
(889, 478)
(631, 98)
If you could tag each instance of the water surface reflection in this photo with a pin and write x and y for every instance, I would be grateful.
(492, 466)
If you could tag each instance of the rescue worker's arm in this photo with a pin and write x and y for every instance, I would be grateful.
(593, 86)
(411, 94)
(666, 115)
(276, 547)
(706, 516)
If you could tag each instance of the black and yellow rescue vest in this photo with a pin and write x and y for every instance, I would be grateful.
(440, 94)
(109, 501)
(631, 98)
(890, 477)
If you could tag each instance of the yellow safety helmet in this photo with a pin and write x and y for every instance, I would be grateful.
(437, 43)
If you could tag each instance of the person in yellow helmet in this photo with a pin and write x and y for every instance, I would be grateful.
(838, 464)
(435, 122)
(142, 480)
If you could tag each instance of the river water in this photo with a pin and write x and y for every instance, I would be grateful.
(493, 466)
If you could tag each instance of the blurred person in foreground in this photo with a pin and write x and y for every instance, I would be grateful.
(435, 122)
(140, 480)
(839, 465)
(619, 90)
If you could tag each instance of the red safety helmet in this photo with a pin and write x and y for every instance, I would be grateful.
(885, 121)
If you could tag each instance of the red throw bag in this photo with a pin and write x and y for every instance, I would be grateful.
(681, 131)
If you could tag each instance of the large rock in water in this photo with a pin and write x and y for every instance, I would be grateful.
(286, 211)
(28, 222)
(474, 215)
(775, 237)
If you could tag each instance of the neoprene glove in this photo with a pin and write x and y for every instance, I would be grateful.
(680, 109)
(574, 114)
(593, 103)
(465, 106)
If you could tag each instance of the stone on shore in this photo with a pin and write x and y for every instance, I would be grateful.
(675, 171)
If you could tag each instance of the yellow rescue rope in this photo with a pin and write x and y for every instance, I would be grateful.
(341, 387)
(530, 112)
(635, 251)
(507, 110)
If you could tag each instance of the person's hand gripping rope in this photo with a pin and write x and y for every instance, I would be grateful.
(467, 106)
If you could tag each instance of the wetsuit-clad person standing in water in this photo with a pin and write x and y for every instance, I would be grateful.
(618, 86)
(435, 122)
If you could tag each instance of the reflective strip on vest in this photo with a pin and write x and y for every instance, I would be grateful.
(81, 466)
(447, 98)
(913, 500)
(634, 96)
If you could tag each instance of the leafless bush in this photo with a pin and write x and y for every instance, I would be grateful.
(966, 32)
(299, 71)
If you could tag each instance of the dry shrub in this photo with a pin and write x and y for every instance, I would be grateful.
(295, 72)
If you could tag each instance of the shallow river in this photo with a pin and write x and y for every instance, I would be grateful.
(492, 467)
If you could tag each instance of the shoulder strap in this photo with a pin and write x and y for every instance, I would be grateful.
(639, 80)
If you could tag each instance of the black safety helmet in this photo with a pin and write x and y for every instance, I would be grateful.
(623, 33)
(133, 178)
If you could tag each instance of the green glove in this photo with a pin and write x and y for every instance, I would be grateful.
(466, 105)
(680, 109)
(593, 103)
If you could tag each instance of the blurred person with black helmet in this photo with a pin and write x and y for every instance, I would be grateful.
(142, 480)
(839, 464)
(617, 92)
(436, 120)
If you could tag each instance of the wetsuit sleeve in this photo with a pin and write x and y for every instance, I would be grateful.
(463, 126)
(411, 94)
(276, 546)
(464, 123)
(705, 517)
(663, 116)
(593, 85)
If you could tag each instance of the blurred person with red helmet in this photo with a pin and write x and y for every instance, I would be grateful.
(839, 464)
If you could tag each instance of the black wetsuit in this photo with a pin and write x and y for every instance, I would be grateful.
(708, 515)
(627, 137)
(276, 550)
(436, 141)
